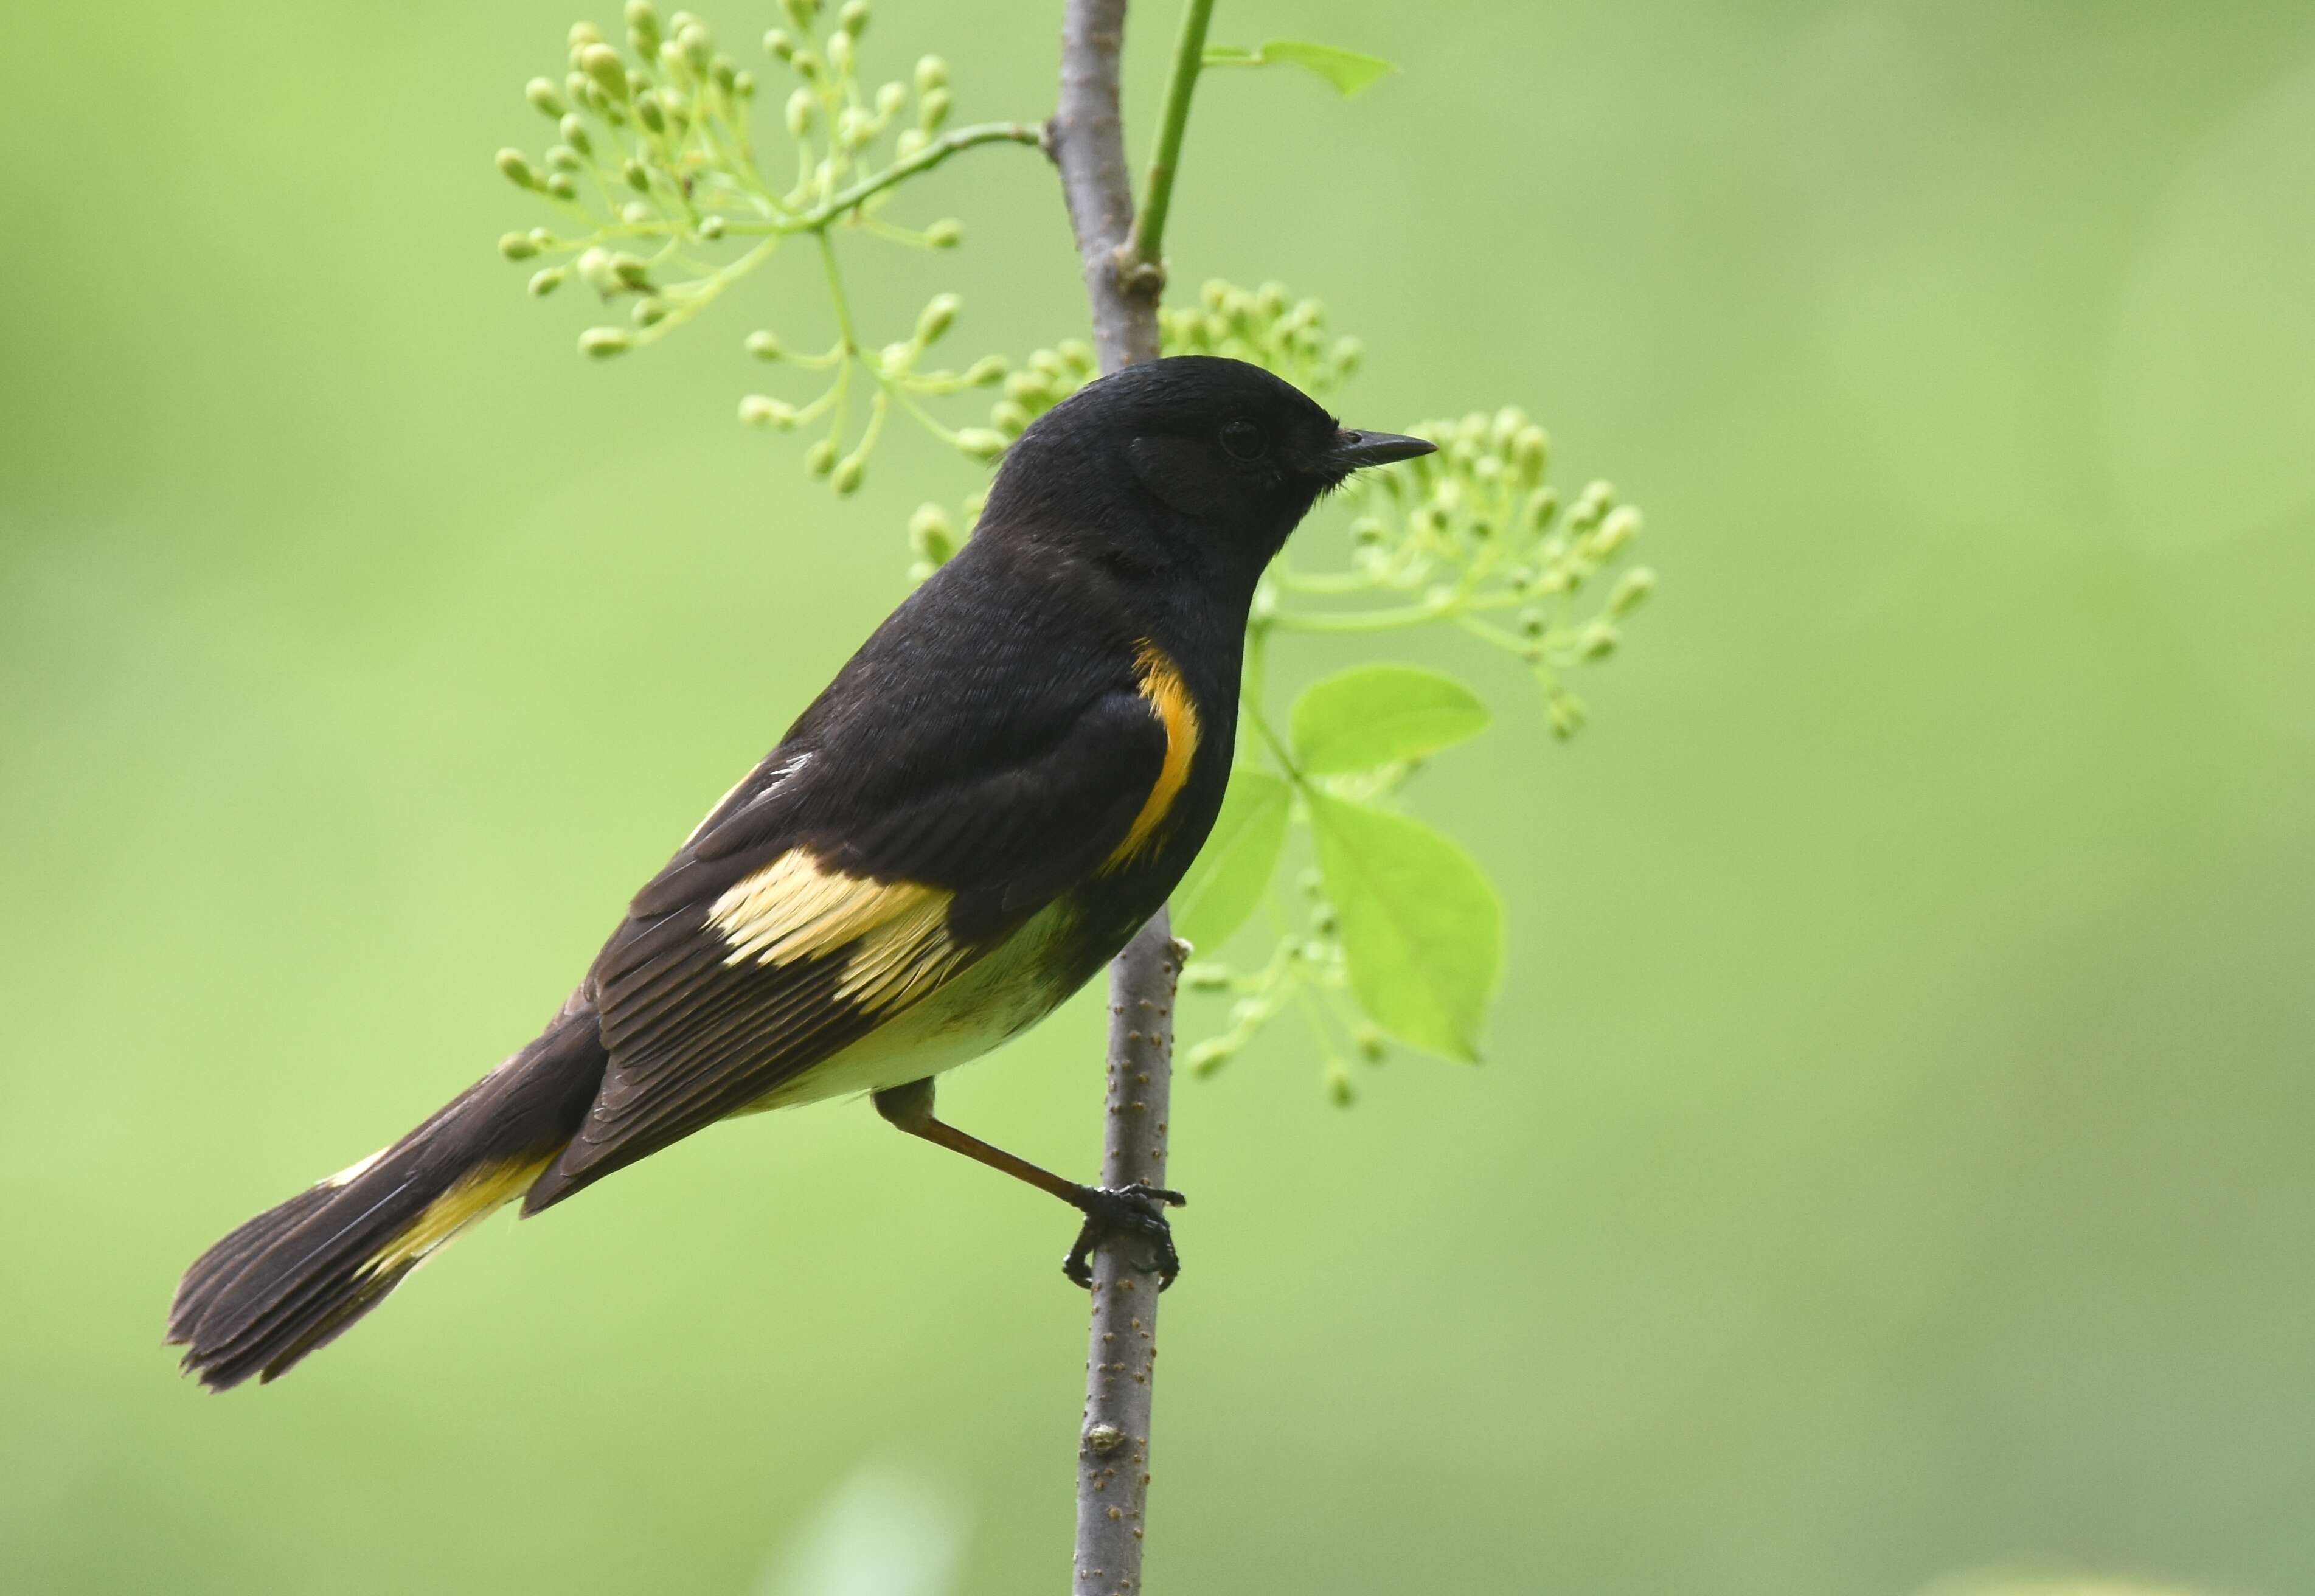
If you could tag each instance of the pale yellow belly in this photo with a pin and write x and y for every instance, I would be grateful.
(1004, 993)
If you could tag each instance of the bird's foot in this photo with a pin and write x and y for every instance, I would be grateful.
(1135, 1211)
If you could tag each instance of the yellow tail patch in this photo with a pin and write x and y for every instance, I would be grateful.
(475, 1194)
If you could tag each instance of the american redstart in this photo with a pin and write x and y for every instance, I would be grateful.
(991, 797)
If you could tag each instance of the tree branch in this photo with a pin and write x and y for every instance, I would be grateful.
(1086, 139)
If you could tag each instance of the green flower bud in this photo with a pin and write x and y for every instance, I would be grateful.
(545, 281)
(931, 73)
(630, 271)
(643, 28)
(1619, 529)
(564, 158)
(1338, 1086)
(807, 64)
(582, 90)
(1030, 387)
(1632, 591)
(542, 238)
(839, 54)
(1009, 416)
(637, 212)
(1369, 1039)
(945, 234)
(986, 370)
(763, 345)
(540, 92)
(935, 319)
(1532, 450)
(1598, 641)
(602, 342)
(673, 62)
(1541, 506)
(595, 272)
(1209, 1055)
(725, 71)
(1531, 623)
(849, 470)
(650, 313)
(932, 109)
(930, 535)
(1591, 505)
(854, 129)
(756, 410)
(1565, 713)
(854, 18)
(1270, 300)
(698, 45)
(1204, 977)
(1077, 356)
(562, 185)
(602, 63)
(516, 169)
(711, 228)
(980, 443)
(637, 174)
(801, 12)
(802, 108)
(889, 101)
(911, 143)
(517, 246)
(743, 84)
(1347, 355)
(820, 459)
(574, 133)
(583, 34)
(778, 45)
(652, 112)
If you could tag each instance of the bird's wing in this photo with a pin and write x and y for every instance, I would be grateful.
(807, 911)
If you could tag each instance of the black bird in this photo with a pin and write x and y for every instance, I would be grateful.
(995, 792)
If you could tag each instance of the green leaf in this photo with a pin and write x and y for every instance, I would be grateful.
(1347, 70)
(1226, 881)
(1423, 932)
(1379, 714)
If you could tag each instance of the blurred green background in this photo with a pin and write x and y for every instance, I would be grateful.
(1893, 1158)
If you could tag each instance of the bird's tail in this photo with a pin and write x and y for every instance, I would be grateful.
(295, 1276)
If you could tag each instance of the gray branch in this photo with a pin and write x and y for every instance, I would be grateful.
(1087, 138)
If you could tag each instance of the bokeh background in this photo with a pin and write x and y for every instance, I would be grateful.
(1893, 1158)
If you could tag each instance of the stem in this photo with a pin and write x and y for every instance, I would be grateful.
(1087, 139)
(940, 149)
(1122, 1343)
(1148, 240)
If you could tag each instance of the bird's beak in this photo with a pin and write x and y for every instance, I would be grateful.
(1352, 451)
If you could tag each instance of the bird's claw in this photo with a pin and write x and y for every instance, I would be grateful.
(1137, 1210)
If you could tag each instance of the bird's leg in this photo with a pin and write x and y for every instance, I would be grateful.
(1140, 1209)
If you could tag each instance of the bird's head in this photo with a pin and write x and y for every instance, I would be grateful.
(1193, 461)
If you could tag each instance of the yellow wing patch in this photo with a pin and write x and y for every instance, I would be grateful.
(476, 1194)
(1170, 695)
(795, 908)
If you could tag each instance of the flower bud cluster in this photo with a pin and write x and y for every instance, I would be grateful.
(653, 158)
(1476, 532)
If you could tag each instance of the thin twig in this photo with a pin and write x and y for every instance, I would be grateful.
(1087, 139)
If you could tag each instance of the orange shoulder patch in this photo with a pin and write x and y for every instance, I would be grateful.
(1169, 696)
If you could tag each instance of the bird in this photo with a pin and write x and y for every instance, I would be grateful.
(998, 790)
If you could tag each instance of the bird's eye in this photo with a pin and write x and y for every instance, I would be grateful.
(1242, 441)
